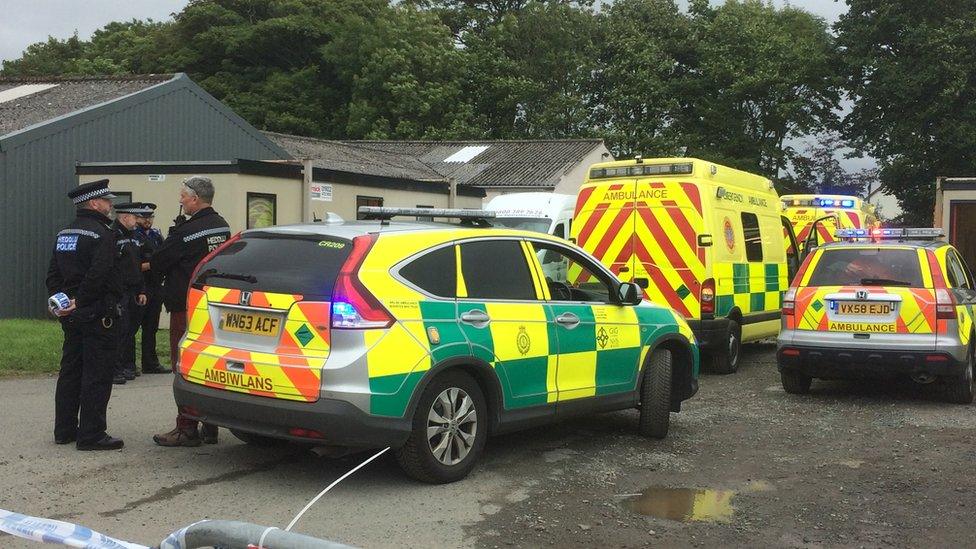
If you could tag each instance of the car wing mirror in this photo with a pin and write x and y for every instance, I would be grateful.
(629, 293)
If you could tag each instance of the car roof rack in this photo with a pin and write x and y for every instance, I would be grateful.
(472, 218)
(874, 235)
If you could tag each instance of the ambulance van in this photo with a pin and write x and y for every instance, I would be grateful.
(548, 213)
(829, 213)
(704, 239)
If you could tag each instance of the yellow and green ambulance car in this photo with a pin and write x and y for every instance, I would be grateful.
(423, 337)
(704, 239)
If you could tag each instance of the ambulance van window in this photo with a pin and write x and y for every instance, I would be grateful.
(434, 272)
(753, 240)
(496, 269)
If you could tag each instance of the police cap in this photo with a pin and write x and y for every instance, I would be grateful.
(89, 191)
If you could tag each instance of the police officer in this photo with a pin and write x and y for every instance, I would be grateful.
(83, 266)
(133, 287)
(150, 241)
(185, 246)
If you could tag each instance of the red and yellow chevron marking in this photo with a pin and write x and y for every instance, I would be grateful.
(650, 228)
(293, 371)
(916, 315)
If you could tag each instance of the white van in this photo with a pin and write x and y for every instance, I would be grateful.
(548, 213)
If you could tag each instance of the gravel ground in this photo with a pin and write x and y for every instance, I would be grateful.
(852, 464)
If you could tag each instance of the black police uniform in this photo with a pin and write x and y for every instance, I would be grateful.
(132, 286)
(185, 246)
(150, 241)
(83, 266)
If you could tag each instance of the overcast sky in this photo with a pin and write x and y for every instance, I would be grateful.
(23, 22)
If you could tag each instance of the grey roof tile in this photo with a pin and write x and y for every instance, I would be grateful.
(68, 96)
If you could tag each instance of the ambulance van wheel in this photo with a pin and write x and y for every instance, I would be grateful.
(450, 427)
(727, 361)
(795, 383)
(259, 441)
(960, 389)
(655, 410)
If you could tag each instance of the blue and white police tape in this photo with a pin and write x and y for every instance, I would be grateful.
(63, 533)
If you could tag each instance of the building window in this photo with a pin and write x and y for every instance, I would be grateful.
(425, 217)
(367, 201)
(262, 210)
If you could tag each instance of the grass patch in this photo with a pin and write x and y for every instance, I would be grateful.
(31, 347)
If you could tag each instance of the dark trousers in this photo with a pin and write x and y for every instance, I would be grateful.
(129, 323)
(150, 325)
(85, 380)
(177, 327)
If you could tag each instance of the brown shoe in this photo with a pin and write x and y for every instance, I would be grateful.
(178, 437)
(209, 433)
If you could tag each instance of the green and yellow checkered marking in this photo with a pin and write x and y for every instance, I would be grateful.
(752, 287)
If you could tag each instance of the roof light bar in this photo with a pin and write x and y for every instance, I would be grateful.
(917, 233)
(641, 169)
(378, 212)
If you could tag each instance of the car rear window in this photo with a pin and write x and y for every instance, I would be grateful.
(288, 264)
(867, 266)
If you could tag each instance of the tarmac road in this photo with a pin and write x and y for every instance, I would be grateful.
(853, 464)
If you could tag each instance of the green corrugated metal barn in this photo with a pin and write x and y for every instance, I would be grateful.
(47, 126)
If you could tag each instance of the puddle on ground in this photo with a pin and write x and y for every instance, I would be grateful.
(684, 504)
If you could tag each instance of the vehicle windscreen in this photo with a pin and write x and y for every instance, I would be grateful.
(288, 264)
(867, 267)
(535, 224)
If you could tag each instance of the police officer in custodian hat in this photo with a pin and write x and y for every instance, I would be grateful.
(84, 267)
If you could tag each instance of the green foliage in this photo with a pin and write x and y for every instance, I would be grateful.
(911, 72)
(739, 83)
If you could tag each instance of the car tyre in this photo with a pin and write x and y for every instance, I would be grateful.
(259, 441)
(727, 361)
(795, 383)
(446, 439)
(655, 409)
(960, 390)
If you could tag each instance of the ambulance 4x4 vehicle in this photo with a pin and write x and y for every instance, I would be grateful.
(898, 303)
(423, 337)
(704, 239)
(816, 218)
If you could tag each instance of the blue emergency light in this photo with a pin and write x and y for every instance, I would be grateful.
(834, 203)
(916, 233)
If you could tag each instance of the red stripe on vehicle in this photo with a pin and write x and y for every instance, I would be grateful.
(691, 191)
(660, 282)
(687, 231)
(584, 195)
(674, 258)
(855, 219)
(612, 231)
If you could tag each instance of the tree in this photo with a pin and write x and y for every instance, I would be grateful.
(819, 170)
(762, 76)
(644, 67)
(911, 72)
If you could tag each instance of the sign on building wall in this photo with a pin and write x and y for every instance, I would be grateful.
(157, 178)
(319, 191)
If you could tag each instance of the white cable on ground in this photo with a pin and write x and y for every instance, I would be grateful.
(329, 487)
(264, 535)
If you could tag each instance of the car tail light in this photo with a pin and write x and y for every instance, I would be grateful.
(945, 305)
(790, 352)
(708, 297)
(353, 307)
(789, 303)
(936, 358)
